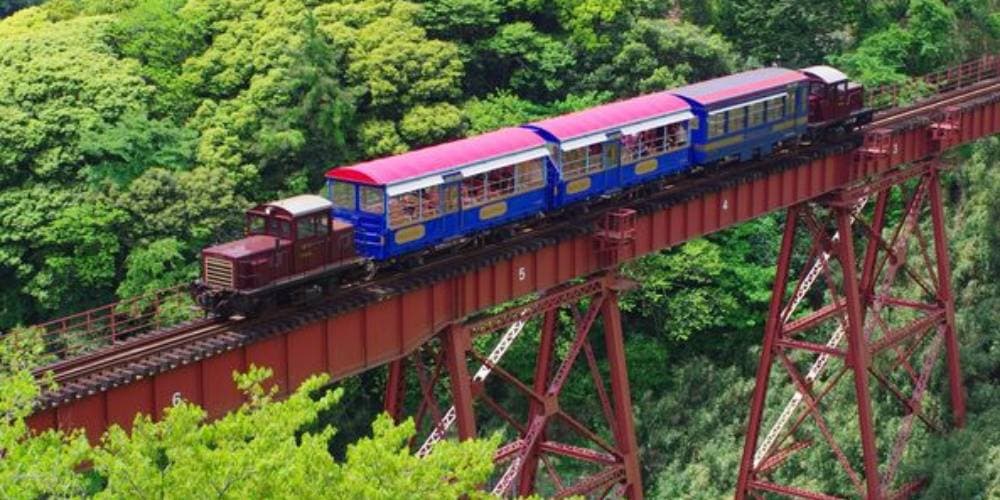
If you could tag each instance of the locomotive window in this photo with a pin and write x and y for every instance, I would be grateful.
(530, 175)
(280, 228)
(372, 200)
(343, 195)
(256, 224)
(756, 116)
(736, 119)
(716, 124)
(775, 109)
(322, 224)
(307, 227)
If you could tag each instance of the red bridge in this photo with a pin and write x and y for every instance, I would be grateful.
(431, 323)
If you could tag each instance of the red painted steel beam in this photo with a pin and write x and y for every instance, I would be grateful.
(947, 301)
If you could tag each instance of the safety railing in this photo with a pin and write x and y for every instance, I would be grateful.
(89, 330)
(941, 82)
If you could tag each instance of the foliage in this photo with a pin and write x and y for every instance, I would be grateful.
(927, 41)
(787, 32)
(33, 465)
(706, 285)
(656, 55)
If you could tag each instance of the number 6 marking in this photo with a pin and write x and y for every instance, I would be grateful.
(522, 274)
(176, 399)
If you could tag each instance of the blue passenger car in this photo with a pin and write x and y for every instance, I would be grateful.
(419, 199)
(610, 147)
(746, 115)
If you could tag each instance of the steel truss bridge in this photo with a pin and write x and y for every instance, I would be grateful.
(865, 330)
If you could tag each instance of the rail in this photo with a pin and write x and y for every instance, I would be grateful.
(920, 89)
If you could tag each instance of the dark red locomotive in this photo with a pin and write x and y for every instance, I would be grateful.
(288, 242)
(834, 100)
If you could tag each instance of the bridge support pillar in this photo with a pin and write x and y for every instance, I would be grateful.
(879, 318)
(544, 426)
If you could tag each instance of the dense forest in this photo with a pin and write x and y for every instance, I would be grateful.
(135, 132)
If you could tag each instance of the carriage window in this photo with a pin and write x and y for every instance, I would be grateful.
(716, 124)
(256, 224)
(450, 198)
(372, 200)
(474, 190)
(343, 195)
(735, 121)
(500, 183)
(756, 116)
(677, 136)
(775, 109)
(404, 209)
(611, 155)
(415, 206)
(430, 202)
(583, 161)
(530, 175)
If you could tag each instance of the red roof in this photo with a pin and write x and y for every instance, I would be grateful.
(435, 159)
(715, 91)
(612, 115)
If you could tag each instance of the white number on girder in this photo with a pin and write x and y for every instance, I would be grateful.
(176, 399)
(725, 204)
(522, 274)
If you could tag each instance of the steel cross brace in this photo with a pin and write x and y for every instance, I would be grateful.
(857, 307)
(531, 449)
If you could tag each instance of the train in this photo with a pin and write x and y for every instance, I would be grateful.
(397, 210)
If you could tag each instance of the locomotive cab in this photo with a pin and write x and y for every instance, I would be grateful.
(834, 99)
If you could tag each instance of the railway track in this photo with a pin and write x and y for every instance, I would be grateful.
(901, 115)
(157, 351)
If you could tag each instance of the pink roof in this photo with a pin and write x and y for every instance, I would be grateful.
(612, 115)
(439, 158)
(715, 91)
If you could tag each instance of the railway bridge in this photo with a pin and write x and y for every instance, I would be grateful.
(437, 327)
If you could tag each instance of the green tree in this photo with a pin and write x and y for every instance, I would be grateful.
(271, 97)
(33, 465)
(393, 67)
(532, 64)
(656, 55)
(262, 450)
(786, 32)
